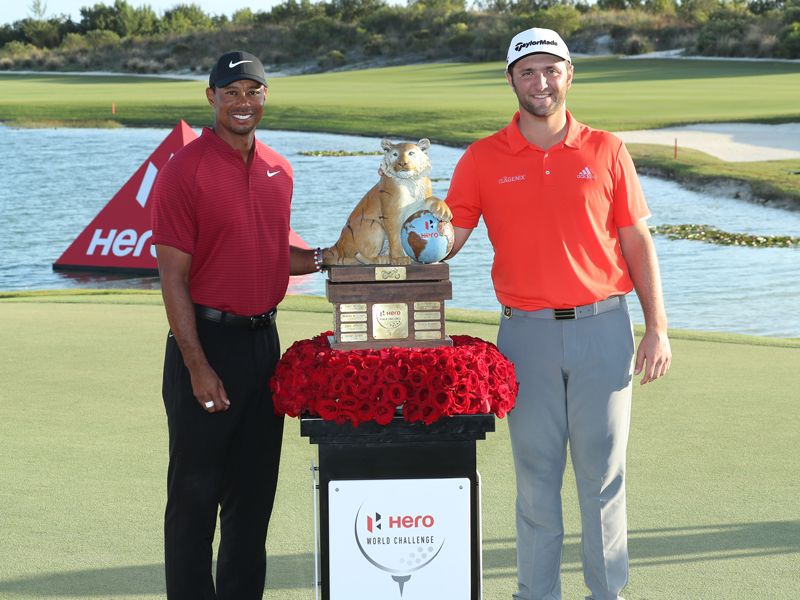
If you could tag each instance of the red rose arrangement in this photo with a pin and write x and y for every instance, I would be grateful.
(356, 386)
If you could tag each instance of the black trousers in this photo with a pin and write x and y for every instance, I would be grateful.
(226, 461)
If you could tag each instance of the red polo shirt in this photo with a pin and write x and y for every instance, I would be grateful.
(233, 219)
(552, 215)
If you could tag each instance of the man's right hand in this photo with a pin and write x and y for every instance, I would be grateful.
(207, 387)
(173, 267)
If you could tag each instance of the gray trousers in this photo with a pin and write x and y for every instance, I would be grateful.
(575, 390)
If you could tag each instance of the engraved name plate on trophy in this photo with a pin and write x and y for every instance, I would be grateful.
(378, 306)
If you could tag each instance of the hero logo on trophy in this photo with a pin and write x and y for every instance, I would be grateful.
(385, 277)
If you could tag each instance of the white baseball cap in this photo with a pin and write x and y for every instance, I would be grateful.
(536, 41)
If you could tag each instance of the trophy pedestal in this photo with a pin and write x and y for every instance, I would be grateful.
(379, 306)
(387, 491)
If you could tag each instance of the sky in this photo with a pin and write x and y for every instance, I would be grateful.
(14, 10)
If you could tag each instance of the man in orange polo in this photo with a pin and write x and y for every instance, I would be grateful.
(566, 217)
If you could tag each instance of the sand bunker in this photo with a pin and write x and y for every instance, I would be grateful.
(733, 142)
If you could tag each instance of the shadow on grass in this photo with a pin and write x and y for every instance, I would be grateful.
(284, 572)
(672, 545)
(648, 547)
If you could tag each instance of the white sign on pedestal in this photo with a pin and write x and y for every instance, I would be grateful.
(399, 539)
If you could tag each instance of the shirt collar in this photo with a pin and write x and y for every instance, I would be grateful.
(223, 146)
(517, 142)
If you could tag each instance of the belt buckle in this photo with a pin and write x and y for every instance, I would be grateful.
(263, 320)
(563, 314)
(507, 312)
(258, 322)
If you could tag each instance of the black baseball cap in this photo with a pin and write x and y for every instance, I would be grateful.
(236, 65)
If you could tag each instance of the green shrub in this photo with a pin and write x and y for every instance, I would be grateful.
(458, 37)
(698, 11)
(42, 33)
(101, 38)
(316, 33)
(243, 16)
(140, 65)
(387, 19)
(374, 45)
(180, 48)
(789, 41)
(561, 18)
(723, 32)
(333, 59)
(20, 51)
(661, 7)
(635, 45)
(184, 18)
(73, 42)
(791, 14)
(54, 63)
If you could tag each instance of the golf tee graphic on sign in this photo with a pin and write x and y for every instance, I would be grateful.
(403, 539)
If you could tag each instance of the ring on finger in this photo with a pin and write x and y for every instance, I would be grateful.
(209, 404)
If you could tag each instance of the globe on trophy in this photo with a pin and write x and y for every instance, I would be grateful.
(426, 238)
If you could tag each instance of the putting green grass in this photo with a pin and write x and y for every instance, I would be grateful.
(713, 462)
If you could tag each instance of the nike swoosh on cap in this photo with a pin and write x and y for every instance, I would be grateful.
(236, 64)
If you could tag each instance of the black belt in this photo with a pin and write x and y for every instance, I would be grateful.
(255, 322)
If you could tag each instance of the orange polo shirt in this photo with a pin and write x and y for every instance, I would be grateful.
(552, 215)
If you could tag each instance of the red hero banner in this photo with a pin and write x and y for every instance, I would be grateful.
(118, 238)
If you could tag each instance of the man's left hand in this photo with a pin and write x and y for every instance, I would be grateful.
(653, 356)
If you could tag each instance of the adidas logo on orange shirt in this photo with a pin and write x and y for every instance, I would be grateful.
(585, 173)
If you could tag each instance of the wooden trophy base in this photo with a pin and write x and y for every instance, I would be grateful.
(383, 306)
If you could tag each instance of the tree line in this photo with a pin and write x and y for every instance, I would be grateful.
(334, 33)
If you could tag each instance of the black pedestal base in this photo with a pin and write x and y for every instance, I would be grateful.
(401, 450)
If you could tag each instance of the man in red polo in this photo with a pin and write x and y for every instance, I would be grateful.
(566, 217)
(220, 217)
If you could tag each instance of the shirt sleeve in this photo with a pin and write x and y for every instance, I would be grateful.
(172, 213)
(464, 195)
(630, 206)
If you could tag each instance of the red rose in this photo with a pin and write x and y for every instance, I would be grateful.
(460, 367)
(404, 370)
(391, 373)
(414, 358)
(470, 377)
(372, 361)
(460, 401)
(429, 358)
(366, 377)
(337, 384)
(480, 366)
(448, 378)
(395, 393)
(348, 392)
(442, 400)
(430, 414)
(417, 377)
(384, 413)
(327, 409)
(364, 411)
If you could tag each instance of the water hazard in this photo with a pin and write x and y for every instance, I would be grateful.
(56, 180)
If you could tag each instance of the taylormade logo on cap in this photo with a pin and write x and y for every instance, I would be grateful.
(536, 41)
